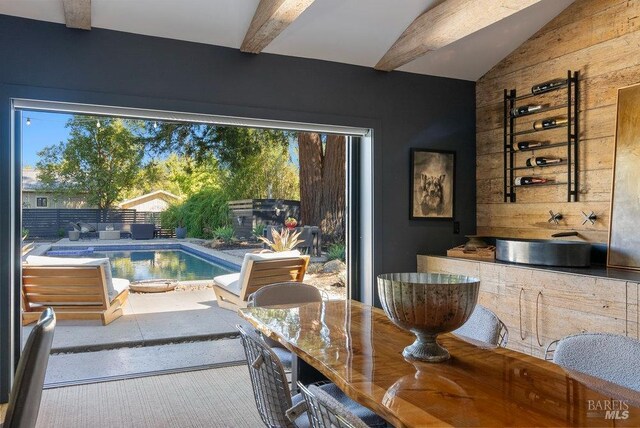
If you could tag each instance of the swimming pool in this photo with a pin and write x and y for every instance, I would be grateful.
(160, 264)
(178, 264)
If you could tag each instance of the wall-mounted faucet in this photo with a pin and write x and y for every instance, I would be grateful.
(591, 217)
(555, 217)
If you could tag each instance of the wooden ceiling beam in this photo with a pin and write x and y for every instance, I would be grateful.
(270, 19)
(446, 23)
(77, 14)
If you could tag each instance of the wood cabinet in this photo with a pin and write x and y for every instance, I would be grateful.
(540, 306)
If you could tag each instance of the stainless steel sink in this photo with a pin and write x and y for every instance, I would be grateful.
(544, 252)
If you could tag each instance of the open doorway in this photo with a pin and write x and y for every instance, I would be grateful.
(203, 194)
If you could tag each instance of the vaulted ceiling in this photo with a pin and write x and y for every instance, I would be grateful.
(450, 38)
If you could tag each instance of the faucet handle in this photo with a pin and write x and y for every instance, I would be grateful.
(591, 217)
(555, 217)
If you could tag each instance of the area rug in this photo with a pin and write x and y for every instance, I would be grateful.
(207, 398)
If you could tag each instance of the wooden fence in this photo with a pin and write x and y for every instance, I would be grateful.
(55, 223)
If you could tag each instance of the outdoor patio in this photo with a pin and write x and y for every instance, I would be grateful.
(158, 332)
(149, 319)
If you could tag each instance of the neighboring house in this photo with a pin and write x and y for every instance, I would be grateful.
(156, 201)
(34, 194)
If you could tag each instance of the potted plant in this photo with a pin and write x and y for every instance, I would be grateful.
(181, 230)
(291, 223)
(285, 240)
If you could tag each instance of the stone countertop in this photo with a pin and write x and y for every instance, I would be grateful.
(595, 270)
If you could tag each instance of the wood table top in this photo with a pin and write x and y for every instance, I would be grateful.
(359, 349)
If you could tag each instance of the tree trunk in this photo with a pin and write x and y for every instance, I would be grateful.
(322, 183)
(310, 160)
(333, 187)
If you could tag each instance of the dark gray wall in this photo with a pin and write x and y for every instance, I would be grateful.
(48, 61)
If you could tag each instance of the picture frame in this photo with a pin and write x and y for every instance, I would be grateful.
(624, 235)
(432, 184)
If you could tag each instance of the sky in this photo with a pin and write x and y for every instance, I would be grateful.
(46, 129)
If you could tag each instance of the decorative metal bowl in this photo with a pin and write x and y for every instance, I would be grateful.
(428, 304)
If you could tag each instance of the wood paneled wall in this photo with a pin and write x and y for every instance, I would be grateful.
(599, 38)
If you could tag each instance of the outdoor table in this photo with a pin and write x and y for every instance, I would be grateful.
(109, 234)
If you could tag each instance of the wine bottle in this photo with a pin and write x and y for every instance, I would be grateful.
(527, 145)
(550, 85)
(542, 161)
(528, 109)
(528, 181)
(552, 122)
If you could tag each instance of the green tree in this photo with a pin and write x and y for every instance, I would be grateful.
(242, 162)
(266, 174)
(176, 174)
(100, 162)
(231, 146)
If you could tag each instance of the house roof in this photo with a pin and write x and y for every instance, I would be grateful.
(156, 194)
(348, 31)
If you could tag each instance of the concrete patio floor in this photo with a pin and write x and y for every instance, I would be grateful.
(90, 367)
(150, 319)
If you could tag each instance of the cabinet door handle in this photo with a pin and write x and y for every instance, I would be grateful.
(520, 307)
(537, 306)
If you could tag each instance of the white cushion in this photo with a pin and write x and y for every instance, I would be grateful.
(119, 285)
(230, 281)
(77, 261)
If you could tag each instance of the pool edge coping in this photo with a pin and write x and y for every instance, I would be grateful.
(209, 254)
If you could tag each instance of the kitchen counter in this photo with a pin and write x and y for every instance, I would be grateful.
(595, 271)
(541, 304)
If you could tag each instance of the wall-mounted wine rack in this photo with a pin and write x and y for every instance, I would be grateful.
(511, 136)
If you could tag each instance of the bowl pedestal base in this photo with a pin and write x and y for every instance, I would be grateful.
(426, 349)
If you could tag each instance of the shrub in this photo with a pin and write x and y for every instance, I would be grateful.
(224, 233)
(336, 252)
(258, 230)
(202, 213)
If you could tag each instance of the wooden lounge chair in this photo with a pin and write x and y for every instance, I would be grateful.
(258, 270)
(81, 289)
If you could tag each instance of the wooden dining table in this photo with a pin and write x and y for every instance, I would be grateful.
(359, 349)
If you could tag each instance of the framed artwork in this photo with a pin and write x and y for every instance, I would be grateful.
(432, 184)
(624, 234)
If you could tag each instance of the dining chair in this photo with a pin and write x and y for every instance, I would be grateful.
(26, 393)
(327, 412)
(484, 326)
(276, 406)
(610, 357)
(285, 293)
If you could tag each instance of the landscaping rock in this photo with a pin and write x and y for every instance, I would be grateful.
(314, 268)
(333, 266)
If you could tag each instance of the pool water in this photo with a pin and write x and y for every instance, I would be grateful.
(143, 265)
